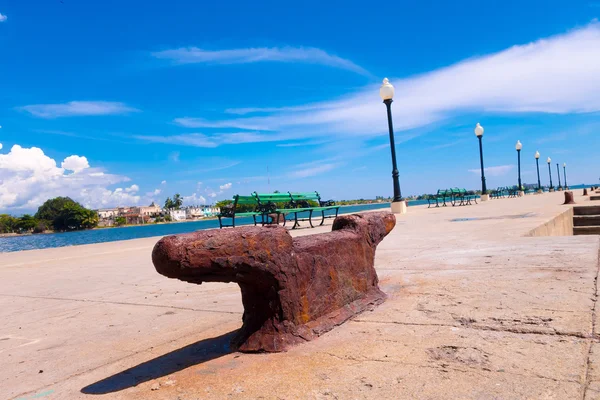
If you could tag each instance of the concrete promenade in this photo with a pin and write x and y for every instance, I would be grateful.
(476, 310)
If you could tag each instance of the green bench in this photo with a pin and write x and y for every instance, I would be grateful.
(440, 197)
(294, 203)
(462, 197)
(230, 211)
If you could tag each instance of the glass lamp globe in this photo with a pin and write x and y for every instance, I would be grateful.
(549, 160)
(478, 130)
(386, 91)
(518, 146)
(537, 154)
(564, 164)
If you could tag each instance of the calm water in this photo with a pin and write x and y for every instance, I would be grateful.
(30, 242)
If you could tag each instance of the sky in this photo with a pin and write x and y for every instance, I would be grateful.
(121, 103)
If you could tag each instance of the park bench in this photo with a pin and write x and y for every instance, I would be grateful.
(293, 289)
(295, 203)
(230, 211)
(440, 197)
(462, 197)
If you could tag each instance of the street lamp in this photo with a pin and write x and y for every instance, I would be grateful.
(549, 160)
(519, 146)
(386, 91)
(565, 175)
(537, 164)
(558, 173)
(479, 134)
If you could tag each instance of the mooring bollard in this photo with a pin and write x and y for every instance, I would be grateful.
(569, 198)
(293, 289)
(585, 193)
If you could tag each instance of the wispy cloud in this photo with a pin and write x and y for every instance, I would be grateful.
(306, 55)
(202, 140)
(553, 75)
(78, 108)
(3, 17)
(203, 123)
(499, 170)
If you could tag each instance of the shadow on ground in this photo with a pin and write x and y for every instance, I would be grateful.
(193, 354)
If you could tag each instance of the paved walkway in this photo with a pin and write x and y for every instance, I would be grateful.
(476, 310)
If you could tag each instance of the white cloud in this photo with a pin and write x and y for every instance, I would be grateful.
(235, 123)
(201, 140)
(499, 170)
(194, 199)
(3, 17)
(78, 108)
(312, 171)
(28, 177)
(75, 163)
(174, 156)
(306, 55)
(226, 186)
(132, 189)
(0, 146)
(163, 183)
(156, 192)
(553, 75)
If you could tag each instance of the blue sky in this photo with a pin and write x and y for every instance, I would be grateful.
(122, 103)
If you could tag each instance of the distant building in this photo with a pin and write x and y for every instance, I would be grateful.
(177, 215)
(108, 213)
(151, 211)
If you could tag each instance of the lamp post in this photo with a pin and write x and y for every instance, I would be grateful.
(565, 175)
(537, 164)
(386, 91)
(549, 160)
(558, 173)
(519, 146)
(479, 134)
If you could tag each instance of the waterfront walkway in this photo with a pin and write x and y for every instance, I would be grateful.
(476, 310)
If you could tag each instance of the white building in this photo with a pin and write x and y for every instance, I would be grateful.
(108, 213)
(177, 215)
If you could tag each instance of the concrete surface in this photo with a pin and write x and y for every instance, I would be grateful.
(476, 310)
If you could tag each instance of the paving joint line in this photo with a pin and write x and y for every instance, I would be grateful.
(120, 303)
(587, 379)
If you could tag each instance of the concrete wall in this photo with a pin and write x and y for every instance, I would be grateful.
(561, 225)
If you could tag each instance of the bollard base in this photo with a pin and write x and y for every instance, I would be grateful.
(484, 197)
(399, 207)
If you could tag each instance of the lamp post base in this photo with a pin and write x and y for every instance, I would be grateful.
(521, 193)
(484, 197)
(551, 190)
(399, 207)
(540, 191)
(560, 189)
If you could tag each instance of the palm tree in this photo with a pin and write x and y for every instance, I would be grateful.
(177, 201)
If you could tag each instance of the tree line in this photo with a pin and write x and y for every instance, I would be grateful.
(61, 214)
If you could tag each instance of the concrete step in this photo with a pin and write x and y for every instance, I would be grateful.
(589, 210)
(586, 230)
(595, 197)
(586, 220)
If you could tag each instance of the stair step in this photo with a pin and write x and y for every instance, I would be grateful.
(587, 210)
(586, 230)
(595, 197)
(586, 220)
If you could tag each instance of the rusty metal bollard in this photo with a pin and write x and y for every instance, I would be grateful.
(293, 289)
(585, 193)
(569, 198)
